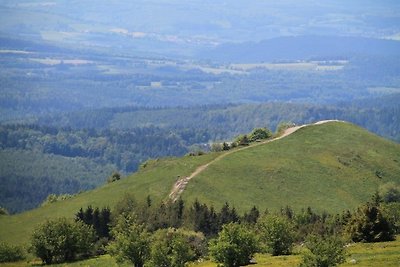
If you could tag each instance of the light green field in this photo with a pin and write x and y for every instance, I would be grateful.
(330, 167)
(385, 254)
(365, 255)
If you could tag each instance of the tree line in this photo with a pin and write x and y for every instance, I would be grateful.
(174, 233)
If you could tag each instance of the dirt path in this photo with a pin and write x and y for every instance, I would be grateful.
(181, 183)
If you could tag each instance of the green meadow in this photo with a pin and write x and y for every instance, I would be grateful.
(361, 255)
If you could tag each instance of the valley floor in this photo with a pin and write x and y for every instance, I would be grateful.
(362, 255)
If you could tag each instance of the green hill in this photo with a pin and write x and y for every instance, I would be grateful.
(332, 167)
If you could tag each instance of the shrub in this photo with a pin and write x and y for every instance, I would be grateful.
(391, 211)
(235, 245)
(60, 240)
(3, 211)
(242, 140)
(276, 233)
(131, 242)
(216, 147)
(390, 192)
(175, 247)
(323, 251)
(52, 198)
(115, 176)
(9, 253)
(259, 134)
(369, 225)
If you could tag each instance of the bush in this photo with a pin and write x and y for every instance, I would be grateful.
(276, 233)
(390, 192)
(216, 147)
(60, 240)
(9, 253)
(115, 176)
(53, 198)
(259, 134)
(242, 140)
(323, 251)
(175, 247)
(3, 211)
(235, 245)
(369, 225)
(391, 211)
(131, 242)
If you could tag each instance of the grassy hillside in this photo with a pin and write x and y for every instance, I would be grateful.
(156, 179)
(331, 167)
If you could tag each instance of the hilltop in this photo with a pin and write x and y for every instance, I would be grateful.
(332, 166)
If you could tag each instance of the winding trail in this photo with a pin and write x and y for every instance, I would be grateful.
(181, 183)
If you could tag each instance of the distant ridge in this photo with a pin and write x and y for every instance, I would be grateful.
(303, 48)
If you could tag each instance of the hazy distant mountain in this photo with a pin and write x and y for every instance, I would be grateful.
(304, 48)
(163, 26)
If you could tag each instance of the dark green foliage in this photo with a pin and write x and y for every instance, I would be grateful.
(9, 253)
(228, 215)
(29, 177)
(259, 134)
(234, 246)
(323, 251)
(115, 176)
(131, 241)
(252, 216)
(175, 247)
(197, 217)
(3, 211)
(200, 218)
(369, 225)
(225, 146)
(242, 140)
(60, 240)
(99, 219)
(276, 233)
(390, 192)
(39, 160)
(391, 211)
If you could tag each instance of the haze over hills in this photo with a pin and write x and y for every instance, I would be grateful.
(304, 48)
(95, 88)
(168, 26)
(153, 98)
(333, 166)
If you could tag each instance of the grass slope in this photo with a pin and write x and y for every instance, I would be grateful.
(156, 179)
(329, 167)
(332, 167)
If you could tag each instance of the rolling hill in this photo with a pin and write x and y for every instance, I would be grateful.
(332, 166)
